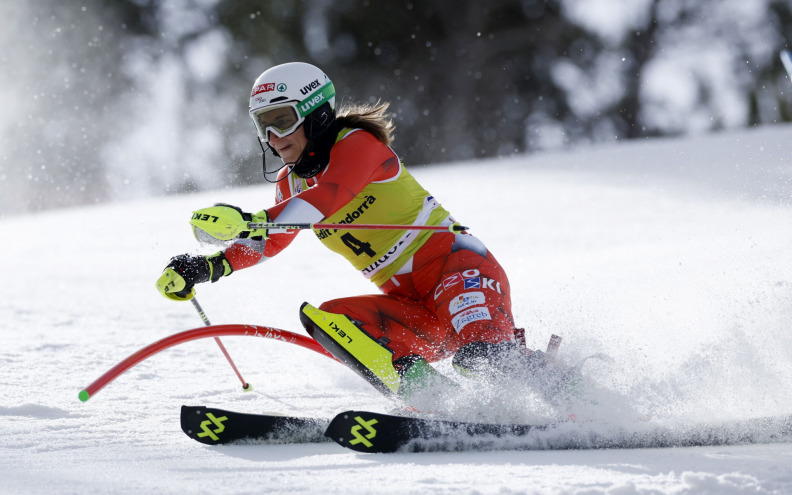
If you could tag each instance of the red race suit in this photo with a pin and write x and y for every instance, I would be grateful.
(440, 291)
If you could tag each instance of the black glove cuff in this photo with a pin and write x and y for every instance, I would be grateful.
(219, 263)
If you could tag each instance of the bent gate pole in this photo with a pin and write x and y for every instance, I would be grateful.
(195, 334)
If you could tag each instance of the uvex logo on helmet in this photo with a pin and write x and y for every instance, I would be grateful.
(262, 88)
(307, 107)
(307, 89)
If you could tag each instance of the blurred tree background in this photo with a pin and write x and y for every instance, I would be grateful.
(118, 99)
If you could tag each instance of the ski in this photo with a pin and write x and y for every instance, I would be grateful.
(364, 431)
(217, 426)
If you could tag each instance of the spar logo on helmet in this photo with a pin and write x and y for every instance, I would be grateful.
(262, 88)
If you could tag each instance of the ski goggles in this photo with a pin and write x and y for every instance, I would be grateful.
(284, 118)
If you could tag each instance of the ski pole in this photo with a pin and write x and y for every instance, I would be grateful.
(225, 223)
(245, 385)
(786, 58)
(354, 226)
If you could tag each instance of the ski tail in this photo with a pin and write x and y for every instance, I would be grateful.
(212, 426)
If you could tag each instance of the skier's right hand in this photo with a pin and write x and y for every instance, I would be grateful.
(184, 271)
(223, 222)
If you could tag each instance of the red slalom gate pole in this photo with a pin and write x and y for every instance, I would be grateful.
(195, 334)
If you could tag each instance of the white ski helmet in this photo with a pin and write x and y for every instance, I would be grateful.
(284, 96)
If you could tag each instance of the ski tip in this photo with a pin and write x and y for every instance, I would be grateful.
(84, 395)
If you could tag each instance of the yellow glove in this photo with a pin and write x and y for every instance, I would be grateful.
(174, 286)
(223, 222)
(184, 271)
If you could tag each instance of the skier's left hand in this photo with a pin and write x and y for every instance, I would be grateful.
(184, 271)
(174, 286)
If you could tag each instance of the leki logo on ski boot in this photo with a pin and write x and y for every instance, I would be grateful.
(356, 432)
(218, 422)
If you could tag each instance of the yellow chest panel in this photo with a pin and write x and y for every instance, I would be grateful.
(379, 254)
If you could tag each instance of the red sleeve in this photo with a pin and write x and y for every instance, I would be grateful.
(244, 254)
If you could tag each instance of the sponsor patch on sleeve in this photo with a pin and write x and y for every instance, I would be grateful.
(470, 315)
(465, 301)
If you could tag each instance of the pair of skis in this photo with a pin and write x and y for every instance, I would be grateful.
(362, 431)
(371, 432)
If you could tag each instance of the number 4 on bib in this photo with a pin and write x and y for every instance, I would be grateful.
(358, 247)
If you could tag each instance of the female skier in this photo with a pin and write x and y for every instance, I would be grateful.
(443, 294)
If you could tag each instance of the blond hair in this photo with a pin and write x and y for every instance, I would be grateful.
(372, 118)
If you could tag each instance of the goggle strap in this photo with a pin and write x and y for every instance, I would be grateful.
(315, 99)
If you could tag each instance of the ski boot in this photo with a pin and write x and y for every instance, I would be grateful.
(508, 361)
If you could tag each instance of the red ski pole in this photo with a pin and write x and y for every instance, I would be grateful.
(245, 385)
(456, 228)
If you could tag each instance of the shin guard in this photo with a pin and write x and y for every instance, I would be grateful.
(353, 346)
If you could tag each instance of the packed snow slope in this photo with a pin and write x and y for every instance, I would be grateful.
(671, 256)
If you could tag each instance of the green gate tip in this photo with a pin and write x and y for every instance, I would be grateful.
(84, 395)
